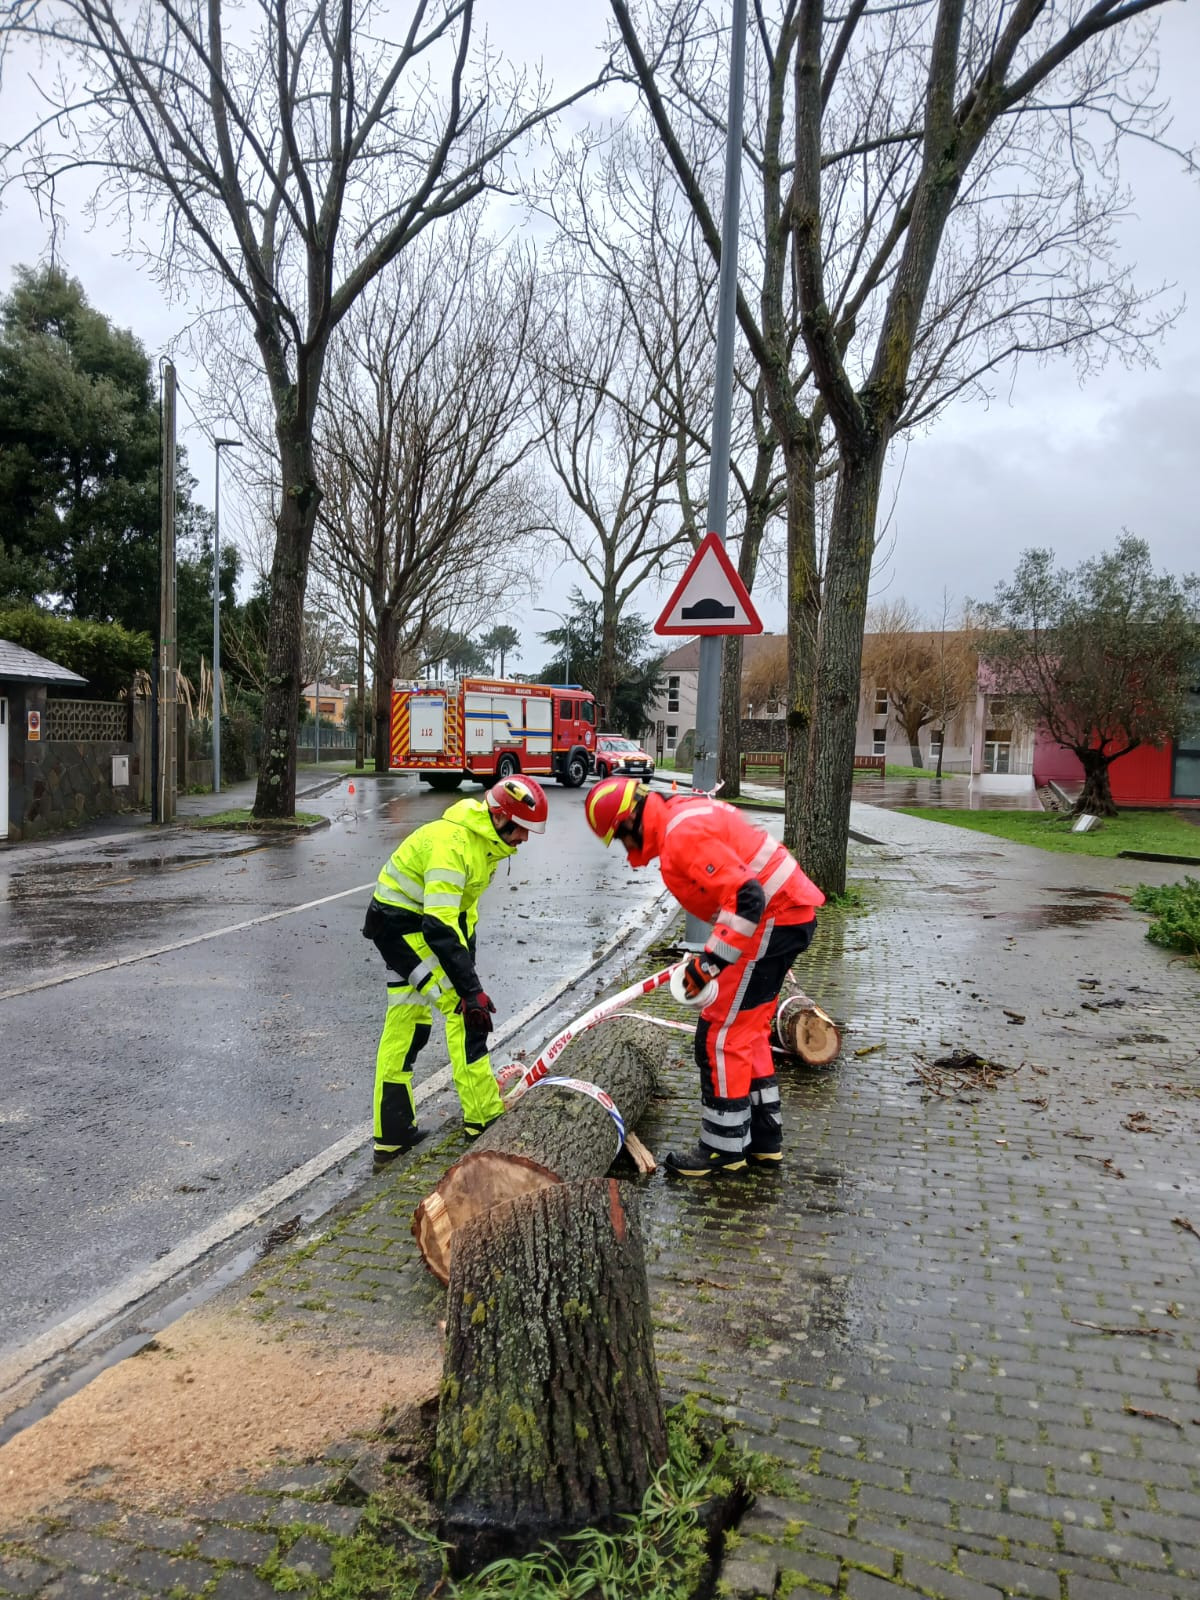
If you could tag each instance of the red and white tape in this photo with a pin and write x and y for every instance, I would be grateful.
(541, 1067)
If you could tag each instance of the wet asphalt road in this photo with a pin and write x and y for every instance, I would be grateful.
(141, 1103)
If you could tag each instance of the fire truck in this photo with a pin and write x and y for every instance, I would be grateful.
(488, 728)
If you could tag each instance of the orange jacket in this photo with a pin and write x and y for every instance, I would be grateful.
(707, 851)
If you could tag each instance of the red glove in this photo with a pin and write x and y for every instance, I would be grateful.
(477, 1011)
(700, 969)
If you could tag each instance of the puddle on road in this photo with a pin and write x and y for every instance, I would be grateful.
(61, 877)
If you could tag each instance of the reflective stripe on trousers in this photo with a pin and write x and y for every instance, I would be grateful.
(417, 983)
(739, 1092)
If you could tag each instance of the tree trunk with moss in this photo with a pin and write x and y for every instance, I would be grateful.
(551, 1417)
(839, 670)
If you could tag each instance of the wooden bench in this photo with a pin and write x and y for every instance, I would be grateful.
(763, 761)
(869, 764)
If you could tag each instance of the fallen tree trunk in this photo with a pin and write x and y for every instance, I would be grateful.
(803, 1029)
(551, 1134)
(551, 1417)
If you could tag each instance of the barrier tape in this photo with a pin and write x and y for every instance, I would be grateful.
(596, 1093)
(589, 1019)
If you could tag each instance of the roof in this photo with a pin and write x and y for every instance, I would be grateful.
(687, 657)
(18, 663)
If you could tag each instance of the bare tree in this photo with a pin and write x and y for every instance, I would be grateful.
(292, 159)
(764, 680)
(946, 206)
(900, 656)
(421, 435)
(617, 442)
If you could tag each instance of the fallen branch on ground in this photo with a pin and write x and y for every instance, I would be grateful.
(1154, 1416)
(954, 1074)
(1137, 1333)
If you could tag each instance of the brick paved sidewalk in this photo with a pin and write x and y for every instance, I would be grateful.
(920, 1315)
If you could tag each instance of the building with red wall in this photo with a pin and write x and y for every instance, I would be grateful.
(1148, 776)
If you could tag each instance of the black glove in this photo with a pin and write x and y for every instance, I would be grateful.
(700, 970)
(477, 1011)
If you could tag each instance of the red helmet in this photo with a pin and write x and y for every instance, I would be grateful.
(610, 803)
(521, 800)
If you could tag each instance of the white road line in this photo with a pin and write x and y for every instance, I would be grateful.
(179, 944)
(57, 1340)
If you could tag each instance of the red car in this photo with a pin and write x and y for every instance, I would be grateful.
(624, 757)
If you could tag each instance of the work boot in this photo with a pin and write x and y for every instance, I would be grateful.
(763, 1158)
(702, 1161)
(384, 1155)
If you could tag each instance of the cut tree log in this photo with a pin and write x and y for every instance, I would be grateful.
(803, 1029)
(551, 1417)
(551, 1134)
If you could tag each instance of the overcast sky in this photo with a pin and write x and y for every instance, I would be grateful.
(1048, 462)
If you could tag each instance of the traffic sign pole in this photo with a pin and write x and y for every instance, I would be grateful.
(708, 689)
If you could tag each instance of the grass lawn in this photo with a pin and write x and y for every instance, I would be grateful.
(894, 770)
(245, 818)
(1159, 831)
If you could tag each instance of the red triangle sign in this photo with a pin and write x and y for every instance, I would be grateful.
(710, 597)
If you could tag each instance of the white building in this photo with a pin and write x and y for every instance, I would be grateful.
(672, 714)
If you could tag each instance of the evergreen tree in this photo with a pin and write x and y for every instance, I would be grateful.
(79, 461)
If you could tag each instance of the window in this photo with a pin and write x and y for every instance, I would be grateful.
(587, 711)
(673, 694)
(1185, 772)
(672, 734)
(881, 705)
(879, 742)
(936, 739)
(566, 710)
(997, 749)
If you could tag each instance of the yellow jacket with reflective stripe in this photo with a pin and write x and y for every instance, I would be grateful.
(442, 869)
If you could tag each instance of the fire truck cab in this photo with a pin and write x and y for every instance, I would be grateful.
(489, 728)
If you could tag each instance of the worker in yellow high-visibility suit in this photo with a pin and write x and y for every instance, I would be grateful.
(422, 920)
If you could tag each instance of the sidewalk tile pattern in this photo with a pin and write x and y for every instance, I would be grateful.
(965, 1319)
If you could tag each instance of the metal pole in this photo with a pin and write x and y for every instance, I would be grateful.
(708, 688)
(317, 733)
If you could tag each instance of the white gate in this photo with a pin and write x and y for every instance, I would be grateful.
(3, 768)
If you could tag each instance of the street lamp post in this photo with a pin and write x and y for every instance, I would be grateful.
(567, 629)
(708, 686)
(218, 446)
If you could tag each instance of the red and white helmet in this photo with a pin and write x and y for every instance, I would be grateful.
(610, 803)
(521, 800)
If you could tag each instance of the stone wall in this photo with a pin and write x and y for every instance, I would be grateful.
(59, 783)
(763, 733)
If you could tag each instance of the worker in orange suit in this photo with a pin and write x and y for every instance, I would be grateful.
(723, 869)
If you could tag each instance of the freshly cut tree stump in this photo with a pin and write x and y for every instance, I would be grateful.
(551, 1417)
(803, 1029)
(551, 1134)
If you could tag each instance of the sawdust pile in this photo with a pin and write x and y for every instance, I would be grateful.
(204, 1411)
